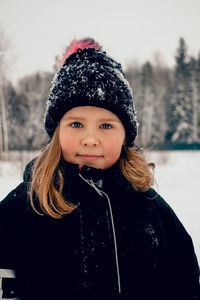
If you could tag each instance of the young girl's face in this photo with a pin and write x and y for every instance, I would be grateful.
(91, 136)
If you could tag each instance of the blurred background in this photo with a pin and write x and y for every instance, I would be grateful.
(158, 44)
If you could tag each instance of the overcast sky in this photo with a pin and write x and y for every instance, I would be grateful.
(128, 29)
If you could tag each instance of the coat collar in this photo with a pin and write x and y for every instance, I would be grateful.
(105, 179)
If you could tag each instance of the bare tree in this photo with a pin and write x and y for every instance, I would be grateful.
(3, 121)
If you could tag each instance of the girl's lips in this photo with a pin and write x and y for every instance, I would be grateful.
(88, 158)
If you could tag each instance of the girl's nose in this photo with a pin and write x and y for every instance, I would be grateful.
(90, 141)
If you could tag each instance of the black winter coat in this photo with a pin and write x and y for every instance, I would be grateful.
(118, 243)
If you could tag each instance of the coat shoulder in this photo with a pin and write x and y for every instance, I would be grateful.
(27, 175)
(15, 202)
(156, 200)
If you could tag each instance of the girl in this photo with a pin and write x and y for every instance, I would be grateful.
(85, 222)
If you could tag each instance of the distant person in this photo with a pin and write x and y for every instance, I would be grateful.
(85, 223)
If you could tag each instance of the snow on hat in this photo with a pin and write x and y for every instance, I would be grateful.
(89, 77)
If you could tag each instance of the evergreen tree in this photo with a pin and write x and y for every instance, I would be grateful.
(195, 83)
(181, 102)
(197, 80)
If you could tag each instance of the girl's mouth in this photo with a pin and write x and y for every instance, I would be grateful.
(89, 157)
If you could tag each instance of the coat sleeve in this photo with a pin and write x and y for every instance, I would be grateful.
(11, 209)
(181, 260)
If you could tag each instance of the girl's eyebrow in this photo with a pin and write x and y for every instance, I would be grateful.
(108, 120)
(84, 119)
(73, 118)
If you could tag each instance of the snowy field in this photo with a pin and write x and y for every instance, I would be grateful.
(177, 175)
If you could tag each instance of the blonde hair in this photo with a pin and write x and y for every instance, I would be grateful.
(136, 169)
(47, 179)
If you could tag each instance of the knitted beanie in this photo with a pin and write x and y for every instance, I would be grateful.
(89, 77)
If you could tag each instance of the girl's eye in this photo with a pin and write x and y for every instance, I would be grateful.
(76, 125)
(106, 126)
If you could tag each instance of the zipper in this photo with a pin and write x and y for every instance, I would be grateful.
(101, 193)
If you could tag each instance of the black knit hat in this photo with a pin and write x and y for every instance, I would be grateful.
(88, 77)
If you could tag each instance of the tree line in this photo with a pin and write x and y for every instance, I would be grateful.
(167, 102)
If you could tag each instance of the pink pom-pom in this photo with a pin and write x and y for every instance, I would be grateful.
(79, 44)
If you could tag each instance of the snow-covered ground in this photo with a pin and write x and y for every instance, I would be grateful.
(177, 175)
